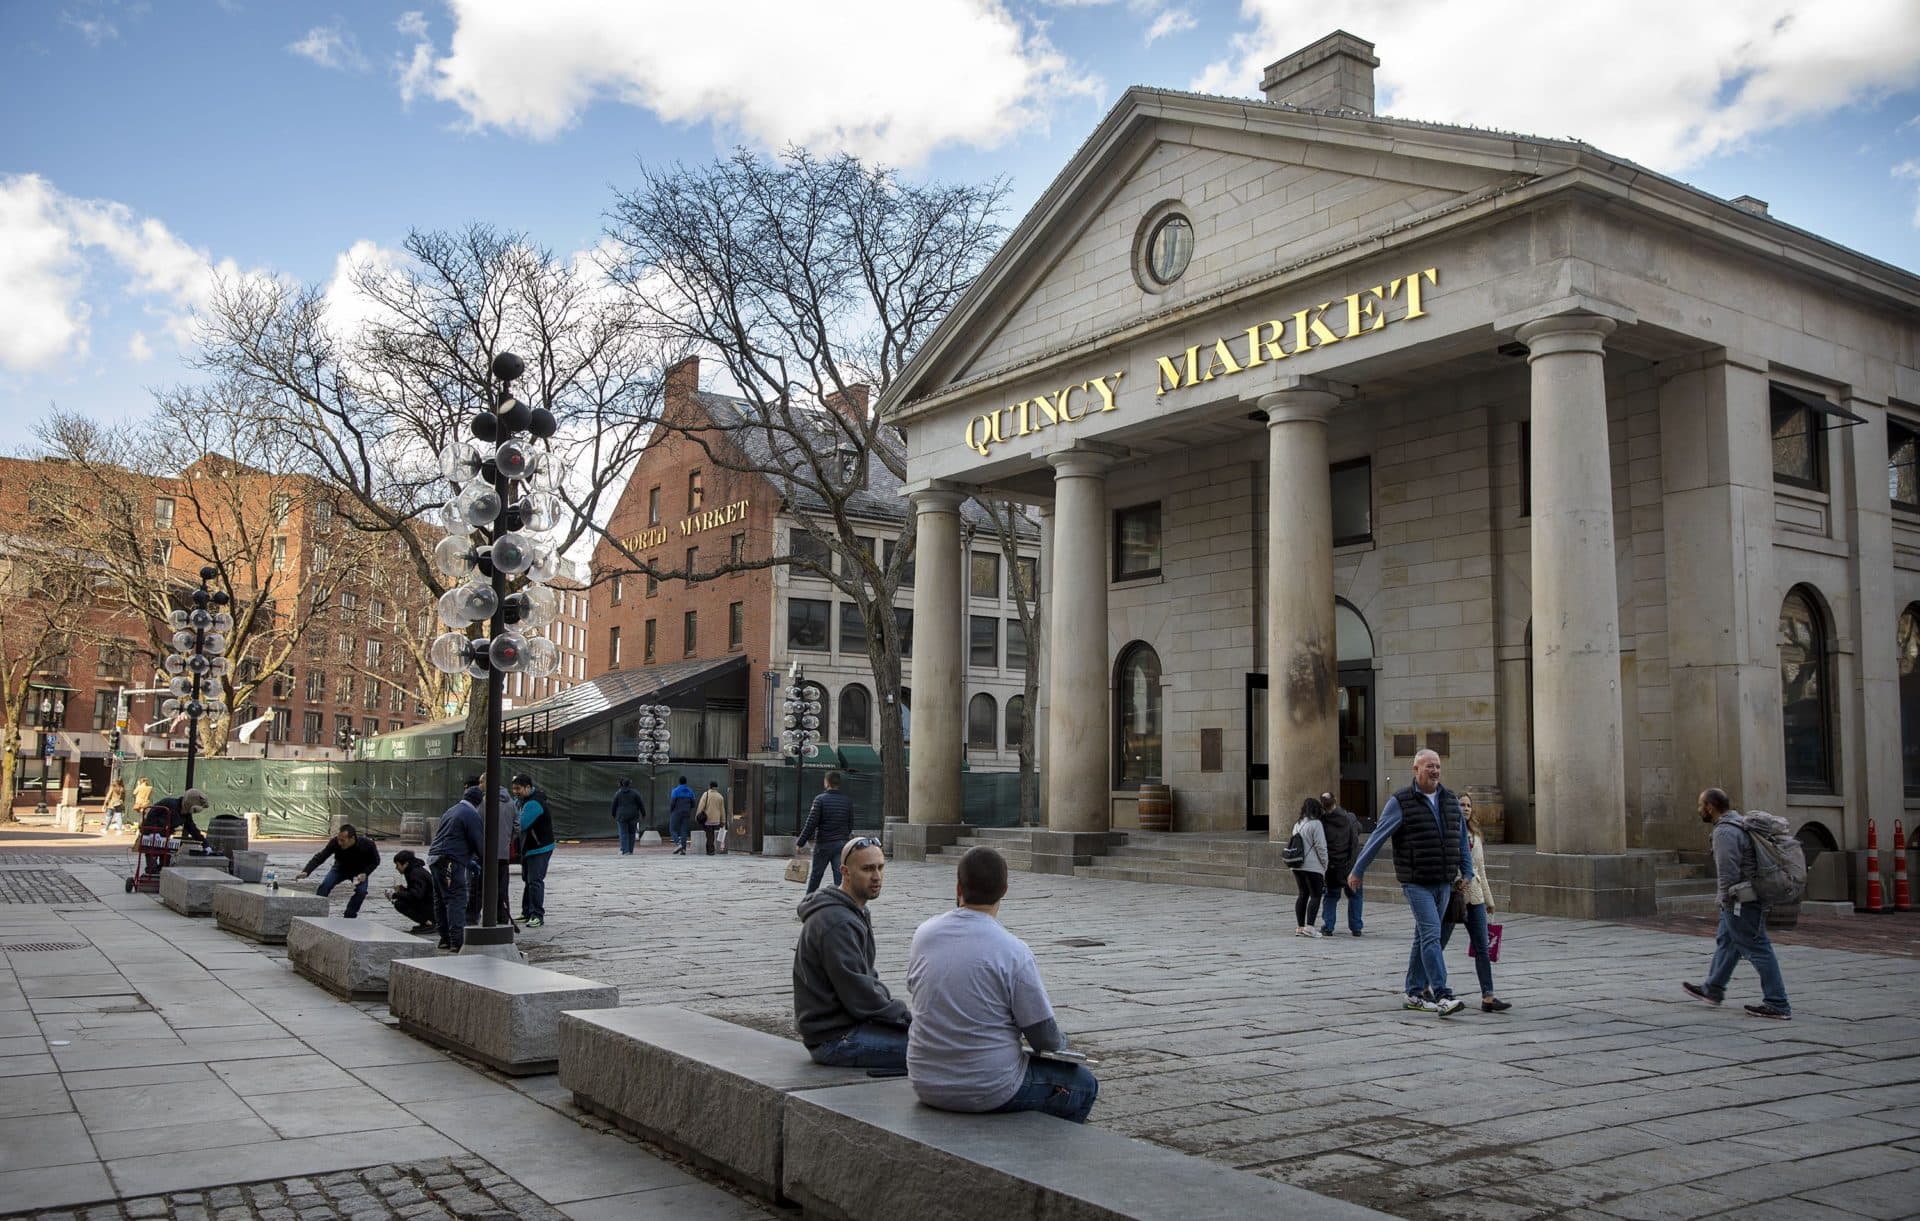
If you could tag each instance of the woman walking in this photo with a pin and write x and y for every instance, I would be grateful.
(1478, 897)
(114, 820)
(1310, 876)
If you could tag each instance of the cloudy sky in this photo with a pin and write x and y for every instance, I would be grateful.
(152, 145)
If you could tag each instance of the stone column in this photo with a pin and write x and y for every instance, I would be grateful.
(1869, 766)
(1079, 718)
(1039, 712)
(1578, 752)
(939, 635)
(1303, 745)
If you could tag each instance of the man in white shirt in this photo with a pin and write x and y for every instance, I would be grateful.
(976, 990)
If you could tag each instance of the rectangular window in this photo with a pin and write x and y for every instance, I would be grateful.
(283, 724)
(853, 630)
(1903, 466)
(343, 645)
(163, 512)
(804, 546)
(323, 513)
(316, 685)
(648, 636)
(373, 654)
(983, 575)
(736, 625)
(371, 699)
(342, 731)
(617, 589)
(310, 729)
(1016, 645)
(653, 506)
(696, 491)
(279, 560)
(397, 703)
(808, 621)
(653, 584)
(345, 694)
(1026, 572)
(613, 648)
(1526, 470)
(1352, 501)
(1798, 452)
(689, 633)
(162, 553)
(906, 567)
(369, 726)
(903, 619)
(736, 548)
(983, 641)
(349, 600)
(105, 705)
(693, 562)
(1136, 542)
(377, 612)
(115, 659)
(280, 507)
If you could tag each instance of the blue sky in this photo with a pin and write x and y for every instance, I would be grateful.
(151, 146)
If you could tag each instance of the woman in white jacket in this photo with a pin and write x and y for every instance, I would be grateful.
(1310, 878)
(1477, 894)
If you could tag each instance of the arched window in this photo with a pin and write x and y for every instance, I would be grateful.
(1137, 715)
(1806, 683)
(983, 722)
(856, 714)
(1907, 641)
(1352, 642)
(1016, 720)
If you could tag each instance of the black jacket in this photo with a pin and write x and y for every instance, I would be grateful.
(830, 820)
(1343, 844)
(627, 806)
(537, 834)
(834, 984)
(362, 858)
(418, 884)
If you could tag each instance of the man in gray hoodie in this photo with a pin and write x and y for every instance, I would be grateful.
(1743, 919)
(845, 1015)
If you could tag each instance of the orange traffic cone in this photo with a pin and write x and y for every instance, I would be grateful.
(1875, 903)
(1902, 897)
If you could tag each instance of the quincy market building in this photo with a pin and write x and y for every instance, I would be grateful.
(1356, 435)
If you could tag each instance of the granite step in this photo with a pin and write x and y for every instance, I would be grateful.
(1162, 877)
(1176, 864)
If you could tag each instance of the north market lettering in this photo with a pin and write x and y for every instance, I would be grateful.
(1317, 326)
(696, 523)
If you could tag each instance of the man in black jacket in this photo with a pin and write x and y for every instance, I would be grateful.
(1343, 843)
(1430, 857)
(353, 857)
(830, 823)
(413, 898)
(845, 1015)
(628, 810)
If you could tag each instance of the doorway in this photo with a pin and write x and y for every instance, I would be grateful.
(1356, 719)
(1256, 752)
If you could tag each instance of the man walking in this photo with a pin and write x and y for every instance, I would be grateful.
(456, 846)
(712, 812)
(845, 1015)
(1430, 855)
(536, 850)
(680, 815)
(353, 857)
(1343, 841)
(829, 823)
(1743, 918)
(628, 810)
(976, 990)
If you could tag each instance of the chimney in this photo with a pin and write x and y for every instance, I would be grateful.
(1747, 203)
(852, 404)
(1335, 73)
(683, 379)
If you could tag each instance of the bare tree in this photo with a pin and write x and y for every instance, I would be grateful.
(812, 282)
(371, 401)
(46, 604)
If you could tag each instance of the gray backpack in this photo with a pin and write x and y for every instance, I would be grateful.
(1780, 876)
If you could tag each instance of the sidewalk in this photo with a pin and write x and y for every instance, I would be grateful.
(153, 1066)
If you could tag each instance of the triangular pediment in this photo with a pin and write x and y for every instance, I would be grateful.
(1264, 188)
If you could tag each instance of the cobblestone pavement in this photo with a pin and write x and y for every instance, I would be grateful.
(1605, 1092)
(461, 1187)
(42, 886)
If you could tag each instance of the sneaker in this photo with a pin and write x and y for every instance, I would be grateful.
(444, 945)
(1421, 1004)
(1770, 1011)
(536, 922)
(1701, 994)
(1450, 1006)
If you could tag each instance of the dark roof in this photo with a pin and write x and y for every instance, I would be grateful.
(601, 696)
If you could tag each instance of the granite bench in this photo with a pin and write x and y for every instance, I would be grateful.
(504, 1014)
(706, 1088)
(253, 911)
(189, 889)
(873, 1151)
(350, 958)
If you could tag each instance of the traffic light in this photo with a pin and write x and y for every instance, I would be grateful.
(116, 744)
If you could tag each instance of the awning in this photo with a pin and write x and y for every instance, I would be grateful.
(1814, 401)
(863, 759)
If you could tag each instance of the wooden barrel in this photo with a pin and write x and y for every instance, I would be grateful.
(1156, 807)
(226, 834)
(413, 828)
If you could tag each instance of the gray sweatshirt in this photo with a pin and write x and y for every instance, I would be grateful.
(834, 984)
(1734, 861)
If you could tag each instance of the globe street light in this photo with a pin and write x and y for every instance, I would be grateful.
(53, 714)
(197, 663)
(800, 740)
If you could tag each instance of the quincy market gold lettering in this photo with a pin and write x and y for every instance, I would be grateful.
(1276, 339)
(1095, 396)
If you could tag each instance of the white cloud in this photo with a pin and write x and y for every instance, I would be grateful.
(95, 30)
(1677, 83)
(139, 349)
(55, 250)
(1169, 21)
(1910, 172)
(331, 46)
(876, 78)
(348, 309)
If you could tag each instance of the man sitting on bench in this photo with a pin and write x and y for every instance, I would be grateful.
(976, 990)
(845, 1015)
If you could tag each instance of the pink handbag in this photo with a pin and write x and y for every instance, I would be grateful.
(1493, 944)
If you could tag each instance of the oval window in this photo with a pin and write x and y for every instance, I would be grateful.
(1169, 249)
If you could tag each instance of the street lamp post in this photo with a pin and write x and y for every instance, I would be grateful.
(500, 492)
(800, 740)
(53, 714)
(198, 661)
(653, 744)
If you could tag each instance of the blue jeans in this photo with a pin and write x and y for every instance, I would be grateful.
(1426, 965)
(112, 820)
(677, 823)
(628, 832)
(868, 1045)
(1743, 934)
(1056, 1088)
(450, 878)
(1330, 907)
(533, 885)
(334, 878)
(1477, 939)
(825, 856)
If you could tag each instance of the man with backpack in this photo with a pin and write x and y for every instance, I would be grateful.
(1744, 890)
